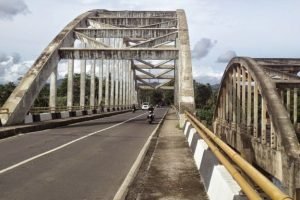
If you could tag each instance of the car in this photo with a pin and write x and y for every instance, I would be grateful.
(145, 106)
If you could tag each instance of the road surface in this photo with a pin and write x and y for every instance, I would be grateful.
(87, 160)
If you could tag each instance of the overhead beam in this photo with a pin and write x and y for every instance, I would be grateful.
(163, 73)
(145, 72)
(166, 24)
(105, 13)
(145, 87)
(283, 75)
(145, 33)
(141, 66)
(118, 54)
(157, 41)
(90, 41)
(145, 82)
(131, 21)
(96, 24)
(287, 83)
(160, 77)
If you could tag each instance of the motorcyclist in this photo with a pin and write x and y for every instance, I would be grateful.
(150, 117)
(151, 108)
(133, 108)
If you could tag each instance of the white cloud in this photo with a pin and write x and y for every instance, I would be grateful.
(11, 71)
(226, 57)
(11, 8)
(202, 48)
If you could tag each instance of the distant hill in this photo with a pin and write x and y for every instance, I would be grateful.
(212, 80)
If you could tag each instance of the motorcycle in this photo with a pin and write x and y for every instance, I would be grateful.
(150, 117)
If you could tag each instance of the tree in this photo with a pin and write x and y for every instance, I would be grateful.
(5, 91)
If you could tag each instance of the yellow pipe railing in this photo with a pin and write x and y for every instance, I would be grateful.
(215, 144)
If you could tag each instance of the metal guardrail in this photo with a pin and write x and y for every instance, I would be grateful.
(219, 148)
(34, 110)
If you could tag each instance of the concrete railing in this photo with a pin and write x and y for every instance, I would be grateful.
(239, 169)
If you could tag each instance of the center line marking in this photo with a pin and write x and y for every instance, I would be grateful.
(64, 145)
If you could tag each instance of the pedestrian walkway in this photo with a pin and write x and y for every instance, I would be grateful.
(171, 173)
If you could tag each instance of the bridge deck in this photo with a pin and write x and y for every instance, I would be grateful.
(170, 171)
(87, 160)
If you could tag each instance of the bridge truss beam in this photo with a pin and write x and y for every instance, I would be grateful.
(110, 46)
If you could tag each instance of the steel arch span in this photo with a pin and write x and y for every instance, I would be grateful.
(121, 46)
(257, 114)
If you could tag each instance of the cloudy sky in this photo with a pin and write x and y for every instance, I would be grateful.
(219, 29)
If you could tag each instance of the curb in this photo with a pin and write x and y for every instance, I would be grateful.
(123, 189)
(53, 124)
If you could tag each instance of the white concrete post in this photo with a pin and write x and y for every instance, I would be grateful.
(255, 111)
(82, 80)
(53, 90)
(112, 79)
(238, 98)
(249, 100)
(106, 82)
(243, 96)
(295, 110)
(100, 90)
(117, 77)
(82, 83)
(92, 86)
(70, 84)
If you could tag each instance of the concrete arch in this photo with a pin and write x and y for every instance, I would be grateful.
(267, 88)
(159, 36)
(33, 81)
(275, 146)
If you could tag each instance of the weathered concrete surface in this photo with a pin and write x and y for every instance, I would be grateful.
(33, 81)
(185, 90)
(119, 54)
(170, 172)
(270, 140)
(145, 33)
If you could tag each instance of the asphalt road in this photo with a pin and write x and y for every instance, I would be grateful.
(86, 161)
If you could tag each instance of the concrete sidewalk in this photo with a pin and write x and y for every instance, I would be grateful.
(168, 171)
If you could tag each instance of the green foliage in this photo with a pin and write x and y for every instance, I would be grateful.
(163, 97)
(5, 91)
(205, 98)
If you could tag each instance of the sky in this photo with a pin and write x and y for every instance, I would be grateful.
(218, 29)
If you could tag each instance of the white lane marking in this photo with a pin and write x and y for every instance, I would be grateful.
(64, 145)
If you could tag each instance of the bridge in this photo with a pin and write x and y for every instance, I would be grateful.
(255, 120)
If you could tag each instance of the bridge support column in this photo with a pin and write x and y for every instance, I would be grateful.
(186, 88)
(117, 105)
(53, 90)
(82, 83)
(70, 84)
(295, 110)
(92, 86)
(288, 101)
(255, 111)
(121, 84)
(124, 83)
(249, 102)
(106, 86)
(243, 96)
(238, 98)
(100, 90)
